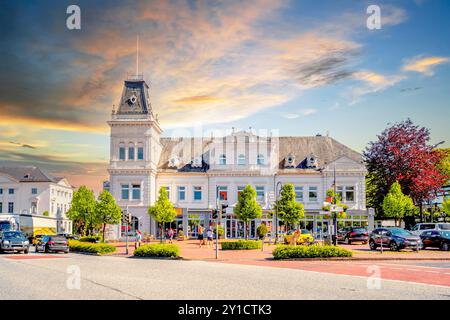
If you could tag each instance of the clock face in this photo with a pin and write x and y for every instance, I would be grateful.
(133, 99)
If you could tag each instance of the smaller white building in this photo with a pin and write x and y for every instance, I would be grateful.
(34, 200)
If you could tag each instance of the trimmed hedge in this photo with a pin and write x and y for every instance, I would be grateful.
(92, 239)
(158, 250)
(241, 245)
(99, 248)
(313, 251)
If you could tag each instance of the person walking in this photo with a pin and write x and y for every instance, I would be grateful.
(170, 233)
(138, 239)
(209, 236)
(200, 235)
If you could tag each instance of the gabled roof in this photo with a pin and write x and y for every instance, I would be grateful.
(28, 174)
(325, 150)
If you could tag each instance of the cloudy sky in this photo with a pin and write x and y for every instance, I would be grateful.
(302, 67)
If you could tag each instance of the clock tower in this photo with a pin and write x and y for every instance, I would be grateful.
(134, 153)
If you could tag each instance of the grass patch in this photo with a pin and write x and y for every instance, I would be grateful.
(241, 245)
(159, 250)
(313, 251)
(88, 247)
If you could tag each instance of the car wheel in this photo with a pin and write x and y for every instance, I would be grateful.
(393, 246)
(46, 249)
(25, 251)
(445, 246)
(372, 245)
(66, 252)
(348, 241)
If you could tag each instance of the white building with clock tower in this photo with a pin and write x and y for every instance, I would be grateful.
(199, 172)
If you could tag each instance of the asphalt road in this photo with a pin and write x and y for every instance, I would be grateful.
(55, 277)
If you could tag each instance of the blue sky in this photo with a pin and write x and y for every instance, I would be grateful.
(299, 67)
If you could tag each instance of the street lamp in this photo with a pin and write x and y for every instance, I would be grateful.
(279, 183)
(438, 144)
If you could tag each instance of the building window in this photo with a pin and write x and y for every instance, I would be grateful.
(125, 192)
(140, 153)
(340, 192)
(136, 192)
(349, 193)
(11, 191)
(10, 207)
(131, 152)
(33, 190)
(260, 193)
(121, 153)
(239, 190)
(1, 207)
(168, 192)
(197, 193)
(298, 193)
(1, 190)
(223, 193)
(33, 207)
(260, 160)
(241, 160)
(222, 159)
(181, 193)
(312, 194)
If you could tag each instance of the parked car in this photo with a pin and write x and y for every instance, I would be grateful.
(14, 241)
(352, 234)
(53, 244)
(436, 239)
(69, 236)
(394, 238)
(421, 227)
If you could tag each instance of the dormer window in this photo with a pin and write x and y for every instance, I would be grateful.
(174, 162)
(197, 162)
(289, 161)
(311, 161)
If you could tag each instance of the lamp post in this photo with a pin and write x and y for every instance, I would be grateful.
(335, 212)
(279, 183)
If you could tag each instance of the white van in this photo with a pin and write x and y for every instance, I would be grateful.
(421, 227)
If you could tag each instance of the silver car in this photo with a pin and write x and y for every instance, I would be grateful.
(419, 228)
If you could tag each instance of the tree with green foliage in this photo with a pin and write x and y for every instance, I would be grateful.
(289, 210)
(107, 211)
(396, 205)
(446, 207)
(444, 164)
(82, 210)
(163, 210)
(247, 208)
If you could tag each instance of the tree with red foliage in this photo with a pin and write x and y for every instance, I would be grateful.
(402, 154)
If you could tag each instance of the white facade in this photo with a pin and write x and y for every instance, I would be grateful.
(193, 169)
(22, 195)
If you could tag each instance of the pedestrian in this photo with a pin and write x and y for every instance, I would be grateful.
(209, 236)
(170, 233)
(138, 239)
(200, 235)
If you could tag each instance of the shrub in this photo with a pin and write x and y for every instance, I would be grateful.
(99, 248)
(314, 251)
(241, 245)
(92, 239)
(158, 250)
(221, 231)
(261, 231)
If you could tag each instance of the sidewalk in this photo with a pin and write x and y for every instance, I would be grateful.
(190, 250)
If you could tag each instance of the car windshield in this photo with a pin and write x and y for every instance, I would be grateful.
(5, 226)
(58, 238)
(13, 235)
(400, 232)
(444, 226)
(359, 230)
(305, 232)
(445, 234)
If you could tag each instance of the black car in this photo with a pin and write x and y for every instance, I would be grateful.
(352, 234)
(13, 241)
(394, 238)
(69, 236)
(436, 239)
(52, 244)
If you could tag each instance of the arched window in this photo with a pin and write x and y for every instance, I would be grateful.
(241, 160)
(260, 159)
(222, 159)
(131, 151)
(121, 151)
(140, 151)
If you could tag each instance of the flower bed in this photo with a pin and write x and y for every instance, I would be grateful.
(241, 245)
(314, 251)
(159, 250)
(98, 248)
